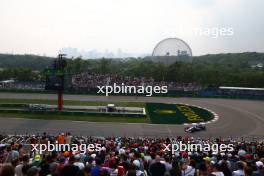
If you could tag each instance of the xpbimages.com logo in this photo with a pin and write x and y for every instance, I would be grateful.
(50, 147)
(192, 147)
(125, 89)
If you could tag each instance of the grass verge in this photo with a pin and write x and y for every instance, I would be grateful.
(76, 118)
(121, 119)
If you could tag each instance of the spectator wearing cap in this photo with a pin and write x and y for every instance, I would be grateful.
(249, 159)
(260, 164)
(157, 168)
(258, 169)
(242, 156)
(78, 162)
(136, 167)
(185, 155)
(37, 160)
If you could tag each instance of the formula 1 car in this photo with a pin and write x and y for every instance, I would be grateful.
(194, 128)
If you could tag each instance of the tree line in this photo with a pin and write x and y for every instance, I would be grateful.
(209, 70)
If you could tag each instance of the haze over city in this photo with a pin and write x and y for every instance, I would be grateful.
(131, 26)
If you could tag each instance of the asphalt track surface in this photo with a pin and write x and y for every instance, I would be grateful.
(236, 118)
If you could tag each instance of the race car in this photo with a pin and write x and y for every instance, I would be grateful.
(195, 127)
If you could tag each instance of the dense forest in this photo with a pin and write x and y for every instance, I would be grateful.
(236, 69)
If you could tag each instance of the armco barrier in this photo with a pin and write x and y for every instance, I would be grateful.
(72, 113)
(14, 105)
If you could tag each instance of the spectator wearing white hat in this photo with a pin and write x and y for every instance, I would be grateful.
(259, 169)
(78, 162)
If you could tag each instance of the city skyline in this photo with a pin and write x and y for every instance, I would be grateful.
(95, 54)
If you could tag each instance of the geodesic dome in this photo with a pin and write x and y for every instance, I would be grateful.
(172, 47)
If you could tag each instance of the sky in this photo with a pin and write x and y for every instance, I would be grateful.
(135, 26)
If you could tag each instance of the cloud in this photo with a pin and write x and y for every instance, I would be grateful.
(45, 26)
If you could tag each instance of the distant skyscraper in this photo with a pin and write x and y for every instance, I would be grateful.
(94, 54)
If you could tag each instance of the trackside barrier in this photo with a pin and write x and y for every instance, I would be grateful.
(72, 113)
(14, 105)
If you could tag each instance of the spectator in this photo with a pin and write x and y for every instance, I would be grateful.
(7, 170)
(186, 169)
(78, 163)
(33, 171)
(217, 170)
(157, 168)
(121, 156)
(240, 169)
(167, 163)
(70, 169)
(247, 171)
(95, 171)
(18, 169)
(258, 169)
(136, 164)
(175, 170)
(87, 171)
(224, 168)
(61, 138)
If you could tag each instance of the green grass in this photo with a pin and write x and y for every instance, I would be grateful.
(71, 117)
(162, 113)
(76, 118)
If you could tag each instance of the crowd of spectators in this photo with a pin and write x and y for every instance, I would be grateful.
(128, 156)
(92, 80)
(88, 80)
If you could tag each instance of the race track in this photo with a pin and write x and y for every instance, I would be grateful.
(236, 118)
